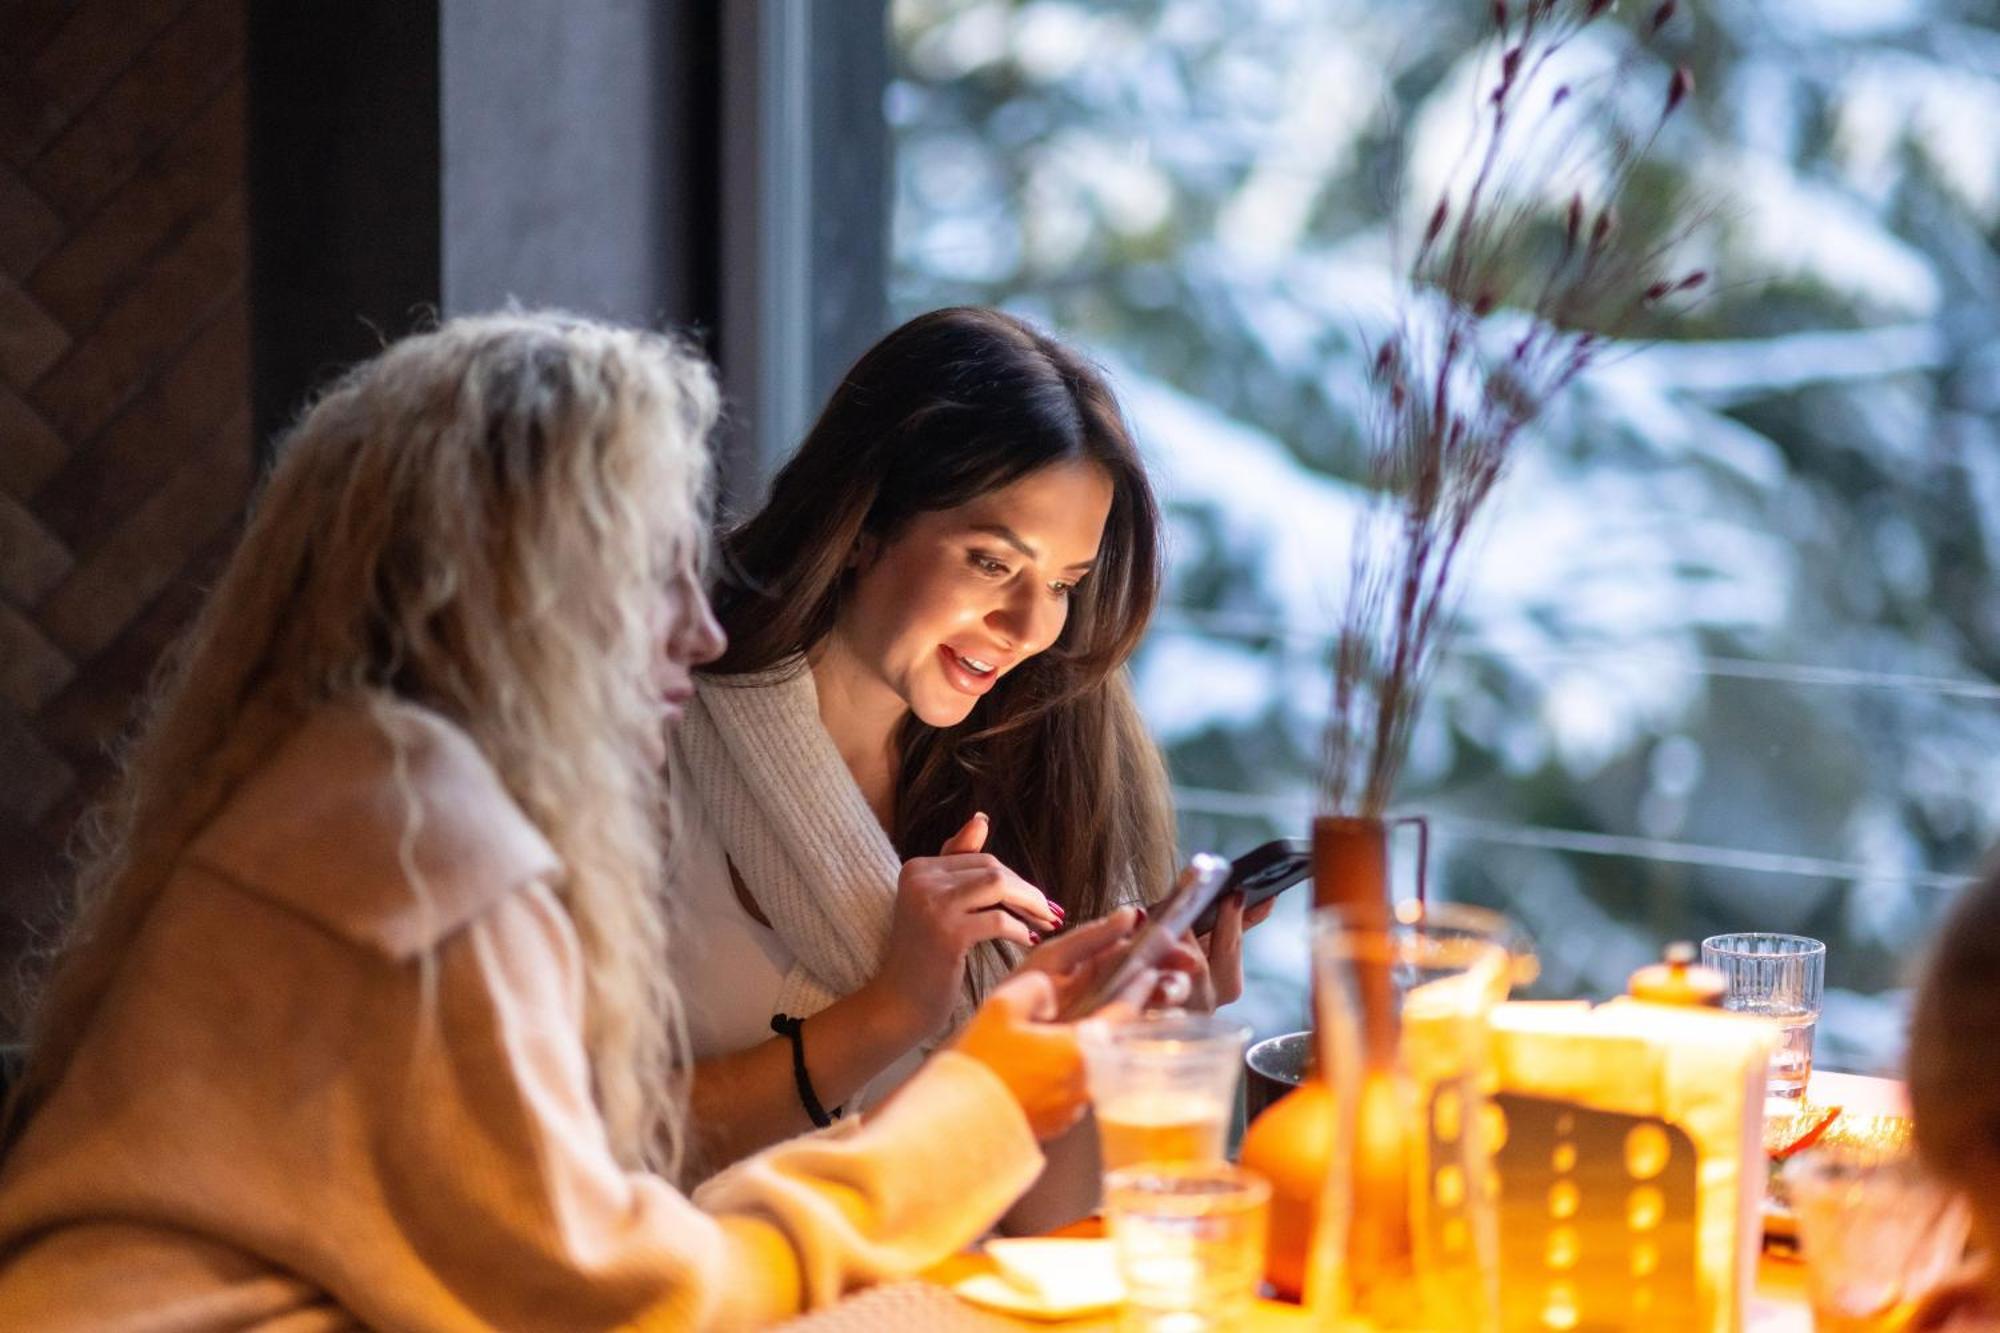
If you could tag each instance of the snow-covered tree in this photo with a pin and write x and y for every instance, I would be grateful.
(1728, 654)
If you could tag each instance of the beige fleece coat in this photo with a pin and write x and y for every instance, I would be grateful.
(268, 1126)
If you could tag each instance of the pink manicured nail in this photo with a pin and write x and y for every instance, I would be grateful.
(1033, 938)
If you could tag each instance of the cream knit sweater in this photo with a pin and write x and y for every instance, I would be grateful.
(753, 753)
(262, 1131)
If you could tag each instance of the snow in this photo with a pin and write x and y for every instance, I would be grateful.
(1567, 149)
(1295, 524)
(1722, 371)
(1191, 683)
(1586, 557)
(1795, 228)
(1844, 18)
(1723, 654)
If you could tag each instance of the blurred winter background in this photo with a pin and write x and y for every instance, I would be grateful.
(1728, 653)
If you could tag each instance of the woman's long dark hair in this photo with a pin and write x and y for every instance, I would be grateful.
(950, 406)
(1954, 1032)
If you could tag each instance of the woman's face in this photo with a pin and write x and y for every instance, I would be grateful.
(962, 596)
(686, 635)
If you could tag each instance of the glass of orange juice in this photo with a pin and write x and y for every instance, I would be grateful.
(1164, 1086)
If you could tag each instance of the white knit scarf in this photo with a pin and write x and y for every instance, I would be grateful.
(777, 794)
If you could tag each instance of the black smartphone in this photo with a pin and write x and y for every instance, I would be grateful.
(1261, 873)
(1166, 922)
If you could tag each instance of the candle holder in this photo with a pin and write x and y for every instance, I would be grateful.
(1630, 1165)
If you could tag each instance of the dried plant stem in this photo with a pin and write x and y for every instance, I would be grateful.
(1458, 381)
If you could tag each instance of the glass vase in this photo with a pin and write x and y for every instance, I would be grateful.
(1406, 1233)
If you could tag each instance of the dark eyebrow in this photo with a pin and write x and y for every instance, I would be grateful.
(1013, 539)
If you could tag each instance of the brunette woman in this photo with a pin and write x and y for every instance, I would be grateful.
(362, 1022)
(920, 754)
(1955, 1095)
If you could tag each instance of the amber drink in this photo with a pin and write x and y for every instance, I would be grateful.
(1164, 1086)
(1162, 1127)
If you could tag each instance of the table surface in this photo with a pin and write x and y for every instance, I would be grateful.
(1778, 1305)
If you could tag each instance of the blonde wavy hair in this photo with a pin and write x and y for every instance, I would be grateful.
(477, 520)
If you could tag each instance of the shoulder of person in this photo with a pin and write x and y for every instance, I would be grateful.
(384, 824)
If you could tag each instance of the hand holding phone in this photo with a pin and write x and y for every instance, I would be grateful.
(1262, 873)
(1193, 893)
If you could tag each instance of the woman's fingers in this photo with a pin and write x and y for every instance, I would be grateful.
(970, 838)
(987, 880)
(996, 926)
(979, 889)
(1225, 950)
(1026, 997)
(1256, 914)
(1092, 942)
(1196, 989)
(973, 870)
(1183, 955)
(1130, 1002)
(1080, 960)
(1014, 1036)
(974, 860)
(1175, 990)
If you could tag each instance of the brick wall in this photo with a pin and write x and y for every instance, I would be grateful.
(125, 444)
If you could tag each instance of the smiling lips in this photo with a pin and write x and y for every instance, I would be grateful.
(970, 675)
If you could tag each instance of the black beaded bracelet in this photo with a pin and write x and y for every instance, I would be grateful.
(787, 1026)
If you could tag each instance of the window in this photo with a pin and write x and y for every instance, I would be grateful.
(1727, 657)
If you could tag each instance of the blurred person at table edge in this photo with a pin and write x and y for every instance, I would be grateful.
(361, 1018)
(920, 753)
(1955, 1094)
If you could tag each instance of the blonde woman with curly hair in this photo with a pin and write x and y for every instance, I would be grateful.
(362, 1018)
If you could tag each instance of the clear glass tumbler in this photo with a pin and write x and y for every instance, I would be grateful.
(1780, 977)
(1190, 1243)
(1407, 1234)
(1164, 1086)
(1877, 1235)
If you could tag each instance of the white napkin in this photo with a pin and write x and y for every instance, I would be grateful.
(1047, 1278)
